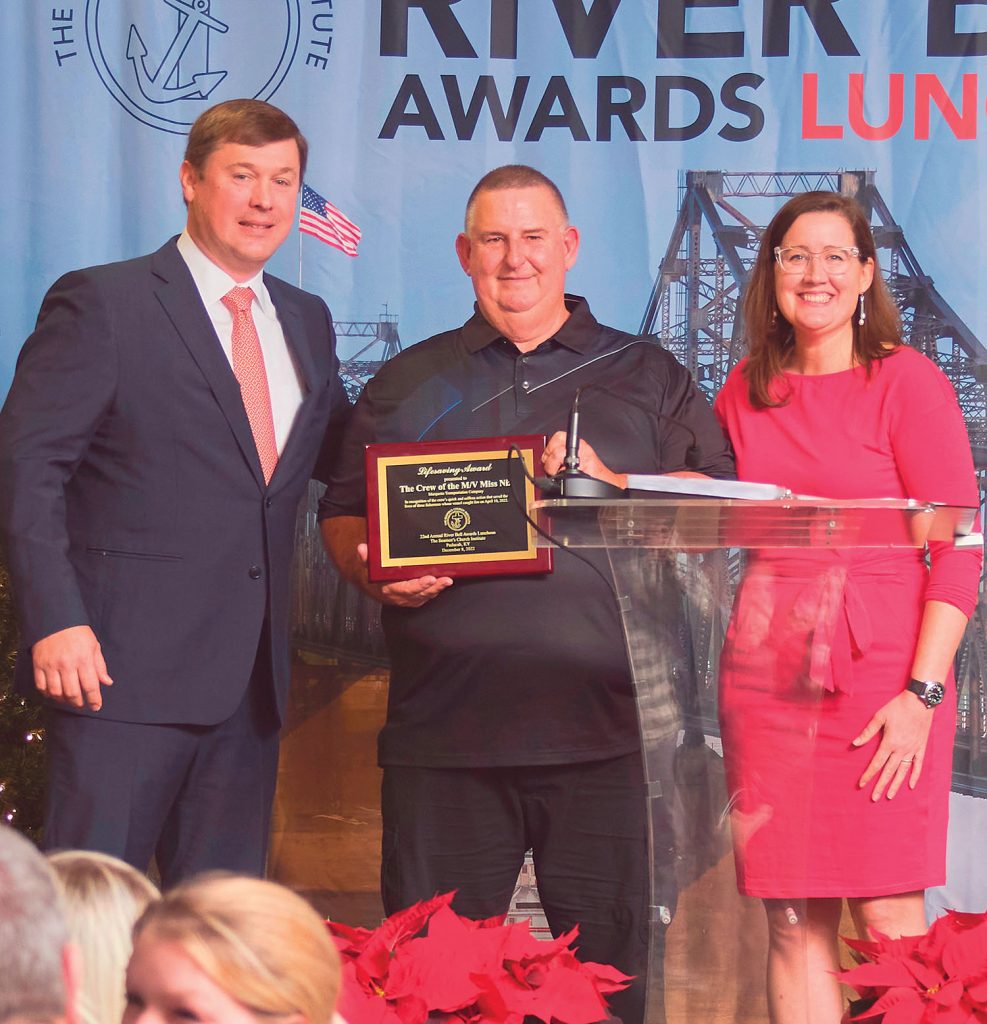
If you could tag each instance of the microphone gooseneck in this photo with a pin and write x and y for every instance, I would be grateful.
(576, 484)
(571, 481)
(572, 437)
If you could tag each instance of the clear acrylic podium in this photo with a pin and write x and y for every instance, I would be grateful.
(676, 565)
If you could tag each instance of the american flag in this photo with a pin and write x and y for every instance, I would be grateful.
(321, 219)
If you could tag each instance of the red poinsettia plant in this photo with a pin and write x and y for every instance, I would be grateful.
(429, 963)
(936, 978)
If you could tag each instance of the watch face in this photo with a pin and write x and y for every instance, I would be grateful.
(934, 693)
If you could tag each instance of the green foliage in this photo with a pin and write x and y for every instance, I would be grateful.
(21, 753)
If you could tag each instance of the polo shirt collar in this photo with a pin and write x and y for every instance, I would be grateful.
(577, 333)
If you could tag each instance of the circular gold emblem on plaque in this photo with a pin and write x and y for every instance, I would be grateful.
(456, 519)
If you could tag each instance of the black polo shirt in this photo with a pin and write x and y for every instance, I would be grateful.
(520, 670)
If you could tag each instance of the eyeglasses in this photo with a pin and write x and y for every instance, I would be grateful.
(835, 259)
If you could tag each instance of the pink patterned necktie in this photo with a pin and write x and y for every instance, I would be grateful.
(248, 366)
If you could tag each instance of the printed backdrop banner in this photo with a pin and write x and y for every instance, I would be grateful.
(406, 103)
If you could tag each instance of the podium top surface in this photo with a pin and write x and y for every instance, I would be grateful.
(686, 523)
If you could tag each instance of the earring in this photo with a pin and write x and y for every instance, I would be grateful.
(862, 316)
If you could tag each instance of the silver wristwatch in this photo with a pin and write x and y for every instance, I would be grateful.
(929, 691)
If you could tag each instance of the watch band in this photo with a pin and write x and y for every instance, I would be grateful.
(929, 691)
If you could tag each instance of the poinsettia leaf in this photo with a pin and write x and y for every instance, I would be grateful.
(895, 949)
(430, 972)
(934, 941)
(976, 990)
(568, 997)
(958, 921)
(964, 953)
(379, 948)
(901, 1006)
(475, 949)
(927, 976)
(347, 938)
(358, 1004)
(429, 960)
(882, 975)
(410, 1010)
(863, 946)
(522, 945)
(950, 994)
(606, 978)
(859, 1009)
(896, 997)
(497, 921)
(491, 1004)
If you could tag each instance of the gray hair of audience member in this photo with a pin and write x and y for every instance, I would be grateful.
(258, 941)
(103, 898)
(512, 176)
(33, 934)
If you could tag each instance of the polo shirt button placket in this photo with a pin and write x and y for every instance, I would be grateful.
(521, 381)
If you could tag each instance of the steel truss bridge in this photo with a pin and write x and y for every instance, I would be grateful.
(695, 311)
(383, 335)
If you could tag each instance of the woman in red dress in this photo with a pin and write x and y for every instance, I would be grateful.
(838, 755)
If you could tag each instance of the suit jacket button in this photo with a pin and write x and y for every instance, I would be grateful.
(268, 502)
(255, 572)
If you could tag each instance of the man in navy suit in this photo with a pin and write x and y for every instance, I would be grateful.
(161, 427)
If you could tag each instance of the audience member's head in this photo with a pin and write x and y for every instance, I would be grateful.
(37, 964)
(235, 951)
(103, 898)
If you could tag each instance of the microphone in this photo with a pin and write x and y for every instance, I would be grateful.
(693, 454)
(570, 482)
(572, 437)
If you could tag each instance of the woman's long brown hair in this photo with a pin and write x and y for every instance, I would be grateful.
(770, 337)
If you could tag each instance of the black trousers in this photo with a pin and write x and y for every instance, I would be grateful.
(468, 829)
(196, 797)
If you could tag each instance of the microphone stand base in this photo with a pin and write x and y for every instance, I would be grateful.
(580, 485)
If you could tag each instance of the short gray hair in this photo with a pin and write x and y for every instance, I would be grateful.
(33, 934)
(514, 176)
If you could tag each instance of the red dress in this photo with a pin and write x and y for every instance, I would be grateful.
(820, 640)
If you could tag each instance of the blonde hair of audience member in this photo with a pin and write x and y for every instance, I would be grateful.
(259, 943)
(103, 897)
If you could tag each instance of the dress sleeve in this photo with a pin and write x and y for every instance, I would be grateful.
(932, 453)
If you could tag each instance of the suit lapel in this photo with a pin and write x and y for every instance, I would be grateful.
(294, 333)
(181, 301)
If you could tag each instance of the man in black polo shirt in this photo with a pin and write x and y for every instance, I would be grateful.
(511, 720)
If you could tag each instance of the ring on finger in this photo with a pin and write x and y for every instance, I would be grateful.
(907, 760)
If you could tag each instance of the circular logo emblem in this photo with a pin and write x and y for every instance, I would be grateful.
(165, 61)
(456, 519)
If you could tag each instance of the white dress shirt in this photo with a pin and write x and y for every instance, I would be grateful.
(283, 379)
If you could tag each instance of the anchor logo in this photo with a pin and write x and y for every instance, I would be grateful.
(154, 85)
(162, 60)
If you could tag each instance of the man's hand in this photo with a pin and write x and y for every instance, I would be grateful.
(69, 667)
(407, 593)
(553, 459)
(345, 538)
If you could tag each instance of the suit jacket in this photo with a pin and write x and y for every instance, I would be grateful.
(131, 494)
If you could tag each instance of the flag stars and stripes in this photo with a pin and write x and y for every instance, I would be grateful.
(322, 220)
